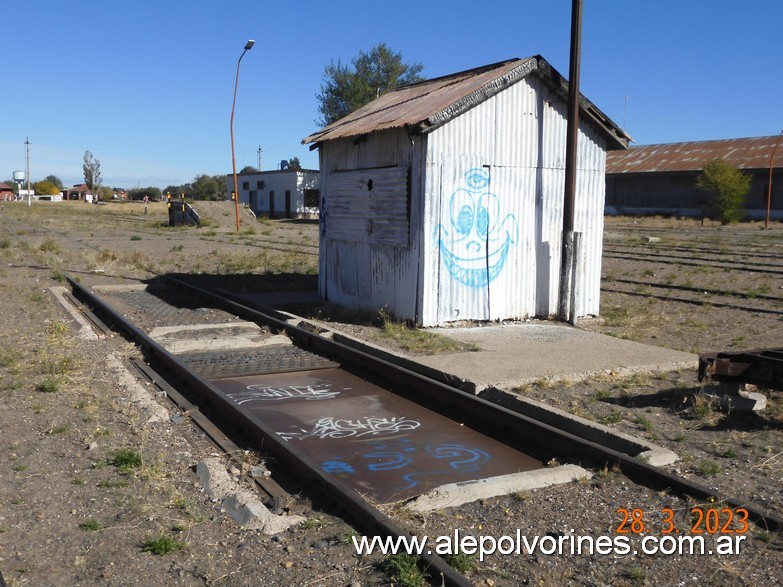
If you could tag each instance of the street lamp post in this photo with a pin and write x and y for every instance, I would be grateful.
(248, 46)
(769, 186)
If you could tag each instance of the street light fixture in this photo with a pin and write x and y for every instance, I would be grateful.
(248, 46)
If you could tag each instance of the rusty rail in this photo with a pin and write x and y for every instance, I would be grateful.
(761, 367)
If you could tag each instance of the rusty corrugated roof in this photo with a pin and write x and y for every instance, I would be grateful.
(429, 104)
(752, 153)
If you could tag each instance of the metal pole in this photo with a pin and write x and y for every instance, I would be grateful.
(27, 167)
(769, 186)
(248, 46)
(567, 257)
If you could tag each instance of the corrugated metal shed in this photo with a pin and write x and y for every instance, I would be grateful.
(443, 200)
(427, 105)
(750, 153)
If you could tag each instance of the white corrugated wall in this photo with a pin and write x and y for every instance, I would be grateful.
(494, 186)
(367, 275)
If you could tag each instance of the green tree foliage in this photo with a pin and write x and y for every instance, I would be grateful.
(208, 187)
(176, 190)
(293, 164)
(92, 173)
(728, 187)
(347, 88)
(248, 169)
(203, 187)
(139, 193)
(56, 181)
(46, 188)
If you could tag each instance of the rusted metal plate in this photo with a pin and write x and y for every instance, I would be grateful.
(761, 367)
(165, 307)
(380, 443)
(250, 361)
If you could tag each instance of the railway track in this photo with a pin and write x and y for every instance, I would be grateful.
(311, 370)
(756, 251)
(718, 263)
(706, 297)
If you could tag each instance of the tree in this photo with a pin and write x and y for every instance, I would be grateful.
(56, 181)
(209, 187)
(345, 89)
(728, 186)
(248, 169)
(293, 164)
(92, 173)
(151, 192)
(46, 188)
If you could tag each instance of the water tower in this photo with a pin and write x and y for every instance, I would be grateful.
(19, 177)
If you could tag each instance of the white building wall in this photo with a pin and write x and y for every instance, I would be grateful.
(265, 185)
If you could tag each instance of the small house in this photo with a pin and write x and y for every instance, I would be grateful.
(285, 193)
(442, 201)
(6, 192)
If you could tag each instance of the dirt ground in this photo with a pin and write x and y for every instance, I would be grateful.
(91, 493)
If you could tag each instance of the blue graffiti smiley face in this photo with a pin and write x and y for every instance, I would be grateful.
(475, 242)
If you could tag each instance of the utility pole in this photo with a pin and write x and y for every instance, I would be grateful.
(769, 185)
(568, 258)
(259, 158)
(27, 168)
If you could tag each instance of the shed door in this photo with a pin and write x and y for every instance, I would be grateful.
(461, 237)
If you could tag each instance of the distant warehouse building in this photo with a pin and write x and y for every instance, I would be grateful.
(279, 194)
(443, 200)
(661, 179)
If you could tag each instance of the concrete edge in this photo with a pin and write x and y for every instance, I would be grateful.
(457, 494)
(138, 395)
(241, 504)
(121, 287)
(585, 375)
(732, 397)
(593, 431)
(85, 331)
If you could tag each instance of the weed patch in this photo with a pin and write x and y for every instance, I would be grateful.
(126, 460)
(161, 545)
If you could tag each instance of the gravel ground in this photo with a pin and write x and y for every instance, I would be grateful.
(93, 494)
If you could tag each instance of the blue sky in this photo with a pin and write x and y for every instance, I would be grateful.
(147, 86)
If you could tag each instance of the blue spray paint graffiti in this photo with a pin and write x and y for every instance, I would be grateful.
(463, 458)
(337, 466)
(390, 456)
(474, 243)
(400, 454)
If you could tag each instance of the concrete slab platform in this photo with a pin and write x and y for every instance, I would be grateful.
(518, 353)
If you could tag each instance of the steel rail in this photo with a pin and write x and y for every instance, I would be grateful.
(705, 259)
(484, 416)
(683, 261)
(713, 303)
(713, 292)
(757, 251)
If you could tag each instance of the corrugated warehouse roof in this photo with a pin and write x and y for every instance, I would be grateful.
(753, 153)
(427, 105)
